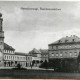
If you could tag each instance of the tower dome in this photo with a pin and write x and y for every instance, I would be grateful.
(0, 14)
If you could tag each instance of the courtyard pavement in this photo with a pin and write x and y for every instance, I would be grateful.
(37, 68)
(34, 68)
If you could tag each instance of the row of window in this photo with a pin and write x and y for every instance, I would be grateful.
(44, 55)
(64, 47)
(19, 58)
(73, 40)
(8, 64)
(28, 58)
(65, 54)
(36, 55)
(8, 51)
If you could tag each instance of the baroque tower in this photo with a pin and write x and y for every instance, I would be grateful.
(1, 40)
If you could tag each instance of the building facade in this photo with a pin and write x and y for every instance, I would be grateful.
(67, 47)
(12, 60)
(64, 52)
(39, 56)
(36, 57)
(44, 55)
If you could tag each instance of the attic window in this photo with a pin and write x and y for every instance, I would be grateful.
(59, 41)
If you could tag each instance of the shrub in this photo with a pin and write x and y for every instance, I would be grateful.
(18, 66)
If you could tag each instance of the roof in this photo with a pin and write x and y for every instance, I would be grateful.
(44, 51)
(35, 51)
(67, 39)
(20, 53)
(8, 47)
(40, 51)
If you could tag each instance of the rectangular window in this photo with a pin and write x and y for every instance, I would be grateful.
(9, 57)
(75, 46)
(5, 57)
(73, 40)
(60, 54)
(52, 54)
(28, 58)
(61, 47)
(75, 53)
(24, 58)
(65, 53)
(5, 51)
(56, 47)
(13, 57)
(70, 53)
(59, 41)
(56, 54)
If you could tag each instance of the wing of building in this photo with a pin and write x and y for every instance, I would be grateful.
(66, 47)
(12, 58)
(8, 49)
(64, 53)
(39, 56)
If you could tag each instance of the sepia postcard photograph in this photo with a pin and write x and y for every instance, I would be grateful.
(40, 40)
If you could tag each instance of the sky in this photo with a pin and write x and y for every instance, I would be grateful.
(28, 29)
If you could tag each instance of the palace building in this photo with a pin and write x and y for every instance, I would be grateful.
(8, 56)
(64, 53)
(66, 47)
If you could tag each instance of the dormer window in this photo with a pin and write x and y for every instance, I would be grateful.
(66, 40)
(59, 41)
